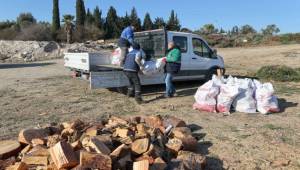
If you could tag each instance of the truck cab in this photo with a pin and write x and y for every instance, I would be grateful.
(198, 61)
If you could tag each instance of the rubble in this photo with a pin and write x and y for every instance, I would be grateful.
(139, 143)
(29, 51)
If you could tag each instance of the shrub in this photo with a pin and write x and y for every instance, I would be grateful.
(8, 33)
(279, 73)
(35, 32)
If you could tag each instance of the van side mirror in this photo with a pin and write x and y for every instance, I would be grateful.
(215, 52)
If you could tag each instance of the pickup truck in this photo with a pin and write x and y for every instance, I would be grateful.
(199, 60)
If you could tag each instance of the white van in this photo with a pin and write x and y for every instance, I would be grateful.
(198, 61)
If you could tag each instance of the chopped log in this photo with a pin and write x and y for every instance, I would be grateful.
(95, 161)
(66, 125)
(63, 155)
(175, 122)
(189, 143)
(181, 132)
(18, 166)
(118, 120)
(155, 122)
(174, 145)
(9, 148)
(38, 151)
(120, 151)
(26, 149)
(7, 162)
(159, 164)
(154, 151)
(192, 160)
(76, 145)
(141, 130)
(145, 157)
(67, 132)
(38, 141)
(128, 140)
(98, 146)
(122, 132)
(140, 146)
(35, 160)
(51, 166)
(94, 130)
(122, 162)
(106, 139)
(26, 135)
(52, 140)
(141, 165)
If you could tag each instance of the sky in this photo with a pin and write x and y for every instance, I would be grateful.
(193, 14)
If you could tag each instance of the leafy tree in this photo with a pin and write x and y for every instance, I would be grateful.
(173, 23)
(124, 21)
(247, 29)
(148, 24)
(112, 28)
(270, 30)
(89, 18)
(135, 20)
(6, 24)
(25, 20)
(159, 23)
(80, 13)
(68, 21)
(208, 29)
(55, 18)
(97, 17)
(186, 30)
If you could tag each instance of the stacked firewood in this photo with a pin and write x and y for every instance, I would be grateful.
(138, 143)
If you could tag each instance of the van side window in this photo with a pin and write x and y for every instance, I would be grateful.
(200, 48)
(181, 42)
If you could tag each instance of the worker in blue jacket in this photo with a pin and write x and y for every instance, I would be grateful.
(126, 40)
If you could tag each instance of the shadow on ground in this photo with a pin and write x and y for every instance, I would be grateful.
(283, 104)
(7, 66)
(203, 148)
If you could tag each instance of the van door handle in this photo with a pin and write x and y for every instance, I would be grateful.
(194, 58)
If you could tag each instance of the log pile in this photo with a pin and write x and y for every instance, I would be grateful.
(138, 143)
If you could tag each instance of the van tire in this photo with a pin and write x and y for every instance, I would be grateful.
(210, 73)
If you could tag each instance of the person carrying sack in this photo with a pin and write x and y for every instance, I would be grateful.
(126, 40)
(132, 66)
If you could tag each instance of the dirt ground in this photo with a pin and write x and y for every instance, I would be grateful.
(40, 93)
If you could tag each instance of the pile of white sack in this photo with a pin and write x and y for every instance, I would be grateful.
(242, 95)
(150, 68)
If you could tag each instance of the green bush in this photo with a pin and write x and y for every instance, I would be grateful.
(279, 73)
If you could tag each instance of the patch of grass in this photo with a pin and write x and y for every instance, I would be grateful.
(279, 73)
(272, 127)
(281, 88)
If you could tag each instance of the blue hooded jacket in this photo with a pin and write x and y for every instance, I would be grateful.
(127, 37)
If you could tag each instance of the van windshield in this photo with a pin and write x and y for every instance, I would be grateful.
(152, 42)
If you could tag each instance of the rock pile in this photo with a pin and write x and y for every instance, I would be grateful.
(138, 143)
(28, 51)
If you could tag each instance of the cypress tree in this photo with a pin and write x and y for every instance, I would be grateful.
(147, 25)
(135, 20)
(97, 18)
(173, 22)
(111, 24)
(80, 13)
(55, 18)
(89, 17)
(159, 23)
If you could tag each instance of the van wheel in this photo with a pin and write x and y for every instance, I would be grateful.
(210, 74)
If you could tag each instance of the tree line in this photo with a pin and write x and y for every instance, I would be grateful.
(87, 24)
(91, 24)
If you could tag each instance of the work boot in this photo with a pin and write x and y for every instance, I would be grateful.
(130, 93)
(138, 98)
